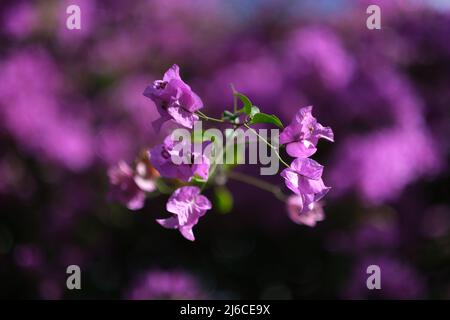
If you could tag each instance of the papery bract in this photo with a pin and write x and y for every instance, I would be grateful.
(187, 205)
(174, 99)
(302, 135)
(124, 188)
(304, 177)
(302, 211)
(161, 157)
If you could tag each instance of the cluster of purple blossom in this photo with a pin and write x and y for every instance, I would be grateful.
(304, 176)
(177, 103)
(384, 93)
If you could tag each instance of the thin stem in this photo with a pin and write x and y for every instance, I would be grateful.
(268, 143)
(234, 98)
(214, 166)
(204, 116)
(258, 183)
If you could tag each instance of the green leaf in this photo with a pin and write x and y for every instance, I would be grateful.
(266, 118)
(227, 115)
(247, 108)
(223, 200)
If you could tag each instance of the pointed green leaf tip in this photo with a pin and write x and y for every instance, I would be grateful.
(247, 104)
(267, 118)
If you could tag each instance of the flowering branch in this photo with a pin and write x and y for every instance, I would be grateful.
(258, 183)
(179, 168)
(204, 116)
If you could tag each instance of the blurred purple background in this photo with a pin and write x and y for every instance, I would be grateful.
(71, 104)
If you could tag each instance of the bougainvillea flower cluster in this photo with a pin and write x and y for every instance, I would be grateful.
(302, 135)
(186, 180)
(174, 99)
(161, 156)
(304, 176)
(187, 206)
